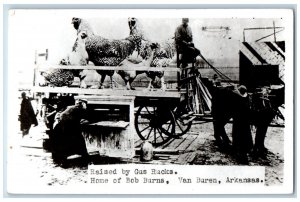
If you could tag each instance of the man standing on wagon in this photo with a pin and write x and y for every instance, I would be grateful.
(186, 51)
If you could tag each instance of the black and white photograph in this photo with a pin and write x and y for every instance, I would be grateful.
(148, 101)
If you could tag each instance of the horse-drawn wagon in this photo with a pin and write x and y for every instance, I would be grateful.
(156, 116)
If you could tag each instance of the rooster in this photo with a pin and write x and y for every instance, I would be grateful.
(79, 57)
(149, 54)
(106, 52)
(161, 56)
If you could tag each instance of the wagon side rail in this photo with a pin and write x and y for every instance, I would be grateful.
(43, 67)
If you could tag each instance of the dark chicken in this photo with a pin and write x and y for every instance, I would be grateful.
(65, 77)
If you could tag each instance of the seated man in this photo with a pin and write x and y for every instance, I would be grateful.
(186, 50)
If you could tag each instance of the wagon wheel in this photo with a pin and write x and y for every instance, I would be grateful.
(182, 126)
(191, 105)
(182, 121)
(155, 124)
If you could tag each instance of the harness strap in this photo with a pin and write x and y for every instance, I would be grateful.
(229, 81)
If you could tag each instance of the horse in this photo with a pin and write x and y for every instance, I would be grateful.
(256, 108)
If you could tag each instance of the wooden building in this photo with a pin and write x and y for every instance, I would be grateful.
(262, 63)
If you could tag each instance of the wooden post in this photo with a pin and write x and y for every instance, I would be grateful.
(178, 81)
(34, 76)
(274, 31)
(35, 57)
(46, 55)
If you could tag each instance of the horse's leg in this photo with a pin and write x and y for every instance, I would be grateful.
(220, 134)
(264, 118)
(261, 131)
(238, 141)
(224, 136)
(217, 133)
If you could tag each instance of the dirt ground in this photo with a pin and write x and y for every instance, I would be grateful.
(209, 154)
(27, 153)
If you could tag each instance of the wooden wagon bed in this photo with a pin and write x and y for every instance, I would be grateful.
(154, 115)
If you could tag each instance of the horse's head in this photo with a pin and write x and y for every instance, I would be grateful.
(277, 95)
(266, 101)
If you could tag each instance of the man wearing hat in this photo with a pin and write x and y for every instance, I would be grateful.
(67, 138)
(27, 116)
(186, 50)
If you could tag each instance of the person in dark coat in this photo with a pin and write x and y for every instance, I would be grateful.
(184, 43)
(67, 138)
(27, 116)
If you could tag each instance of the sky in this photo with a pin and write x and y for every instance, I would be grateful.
(217, 37)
